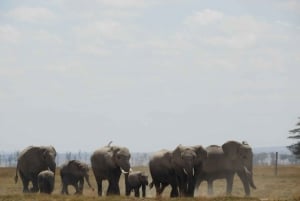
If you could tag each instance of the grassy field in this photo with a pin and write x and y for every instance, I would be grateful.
(285, 186)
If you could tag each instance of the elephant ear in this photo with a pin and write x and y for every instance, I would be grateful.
(231, 149)
(176, 156)
(201, 153)
(44, 153)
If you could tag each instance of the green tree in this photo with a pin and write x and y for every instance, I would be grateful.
(295, 134)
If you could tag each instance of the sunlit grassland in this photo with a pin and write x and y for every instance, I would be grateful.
(285, 186)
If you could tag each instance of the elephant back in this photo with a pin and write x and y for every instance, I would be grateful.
(75, 167)
(31, 158)
(214, 151)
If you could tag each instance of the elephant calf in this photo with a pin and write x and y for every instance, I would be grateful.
(135, 181)
(73, 173)
(46, 181)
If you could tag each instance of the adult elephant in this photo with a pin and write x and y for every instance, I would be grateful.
(73, 173)
(108, 163)
(31, 162)
(226, 160)
(176, 168)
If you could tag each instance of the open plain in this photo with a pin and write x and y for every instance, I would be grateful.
(284, 186)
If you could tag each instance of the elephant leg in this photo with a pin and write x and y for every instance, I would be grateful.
(157, 189)
(113, 188)
(242, 175)
(64, 189)
(75, 185)
(137, 192)
(128, 191)
(229, 183)
(143, 190)
(210, 190)
(174, 191)
(25, 185)
(99, 184)
(80, 186)
(35, 187)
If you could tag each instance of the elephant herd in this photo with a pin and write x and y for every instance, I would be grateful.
(183, 168)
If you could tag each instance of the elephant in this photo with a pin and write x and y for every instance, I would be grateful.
(108, 163)
(135, 181)
(31, 162)
(46, 181)
(73, 173)
(176, 168)
(226, 160)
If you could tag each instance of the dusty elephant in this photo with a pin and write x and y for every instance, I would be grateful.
(176, 168)
(226, 160)
(108, 163)
(31, 162)
(73, 173)
(46, 181)
(135, 181)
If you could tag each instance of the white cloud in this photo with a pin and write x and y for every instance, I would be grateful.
(106, 29)
(204, 17)
(47, 37)
(95, 50)
(31, 14)
(224, 30)
(124, 3)
(9, 34)
(292, 5)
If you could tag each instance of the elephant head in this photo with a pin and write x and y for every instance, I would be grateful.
(143, 178)
(48, 155)
(121, 157)
(241, 154)
(186, 158)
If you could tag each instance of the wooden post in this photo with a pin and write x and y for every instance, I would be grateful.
(276, 163)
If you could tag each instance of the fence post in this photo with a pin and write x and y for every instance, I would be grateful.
(276, 163)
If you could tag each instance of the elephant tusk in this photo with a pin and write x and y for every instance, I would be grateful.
(186, 172)
(124, 172)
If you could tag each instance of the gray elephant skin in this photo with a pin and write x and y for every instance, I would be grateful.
(46, 181)
(108, 163)
(176, 168)
(135, 181)
(73, 173)
(31, 162)
(226, 160)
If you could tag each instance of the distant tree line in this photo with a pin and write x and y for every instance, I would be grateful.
(142, 159)
(295, 134)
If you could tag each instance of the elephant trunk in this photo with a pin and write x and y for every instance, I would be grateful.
(52, 167)
(127, 192)
(125, 168)
(249, 175)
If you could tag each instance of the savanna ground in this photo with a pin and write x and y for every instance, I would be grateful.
(285, 186)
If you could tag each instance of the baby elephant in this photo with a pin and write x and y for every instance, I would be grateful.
(73, 173)
(46, 181)
(135, 181)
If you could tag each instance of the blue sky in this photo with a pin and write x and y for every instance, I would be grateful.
(148, 74)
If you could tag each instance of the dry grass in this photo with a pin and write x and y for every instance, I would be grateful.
(286, 186)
